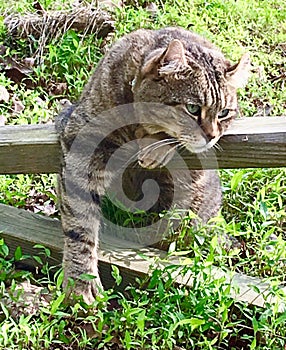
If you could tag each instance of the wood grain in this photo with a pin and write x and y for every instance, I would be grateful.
(249, 143)
(29, 149)
(21, 228)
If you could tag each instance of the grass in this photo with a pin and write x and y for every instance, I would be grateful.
(156, 313)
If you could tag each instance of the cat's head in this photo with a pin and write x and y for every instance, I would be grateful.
(200, 85)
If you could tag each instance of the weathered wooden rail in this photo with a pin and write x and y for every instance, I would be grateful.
(250, 142)
(21, 228)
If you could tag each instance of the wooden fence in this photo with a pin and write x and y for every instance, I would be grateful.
(250, 142)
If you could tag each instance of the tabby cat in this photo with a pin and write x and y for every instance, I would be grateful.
(172, 69)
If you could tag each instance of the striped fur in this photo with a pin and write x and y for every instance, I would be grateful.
(173, 67)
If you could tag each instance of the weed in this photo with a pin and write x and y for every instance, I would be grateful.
(155, 314)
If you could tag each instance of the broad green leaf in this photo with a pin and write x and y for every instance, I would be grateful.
(193, 322)
(56, 303)
(236, 179)
(141, 321)
(18, 253)
(116, 275)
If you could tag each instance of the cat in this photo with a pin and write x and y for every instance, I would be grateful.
(170, 68)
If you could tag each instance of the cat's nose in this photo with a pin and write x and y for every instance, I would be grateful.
(211, 130)
(210, 136)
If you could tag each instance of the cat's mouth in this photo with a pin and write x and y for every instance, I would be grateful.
(156, 151)
(159, 153)
(200, 149)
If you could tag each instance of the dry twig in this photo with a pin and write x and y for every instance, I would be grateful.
(48, 25)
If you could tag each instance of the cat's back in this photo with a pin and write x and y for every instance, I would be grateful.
(111, 83)
(144, 40)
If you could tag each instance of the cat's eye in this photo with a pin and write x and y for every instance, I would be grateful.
(194, 109)
(223, 114)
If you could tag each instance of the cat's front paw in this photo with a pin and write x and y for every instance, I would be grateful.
(88, 290)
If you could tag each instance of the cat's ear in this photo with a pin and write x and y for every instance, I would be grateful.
(174, 60)
(175, 53)
(238, 74)
(165, 61)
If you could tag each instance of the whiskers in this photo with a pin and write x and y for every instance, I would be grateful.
(185, 142)
(217, 147)
(153, 147)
